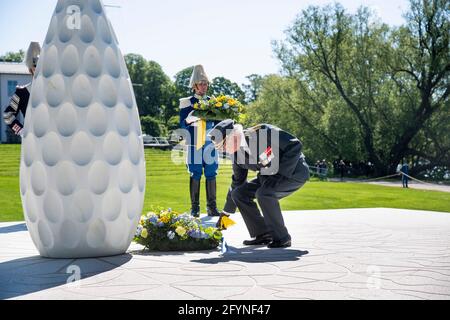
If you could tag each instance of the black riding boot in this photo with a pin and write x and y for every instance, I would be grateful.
(194, 187)
(211, 186)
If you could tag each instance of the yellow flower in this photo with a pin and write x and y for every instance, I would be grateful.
(142, 220)
(144, 233)
(196, 106)
(165, 218)
(180, 231)
(232, 102)
(219, 104)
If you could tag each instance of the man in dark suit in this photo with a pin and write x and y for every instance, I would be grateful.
(282, 170)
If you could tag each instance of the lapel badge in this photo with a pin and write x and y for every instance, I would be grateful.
(266, 157)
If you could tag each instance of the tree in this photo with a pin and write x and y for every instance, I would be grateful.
(325, 133)
(221, 85)
(252, 89)
(182, 81)
(347, 61)
(153, 127)
(153, 89)
(13, 56)
(421, 69)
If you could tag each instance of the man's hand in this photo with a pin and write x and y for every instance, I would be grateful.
(224, 221)
(219, 222)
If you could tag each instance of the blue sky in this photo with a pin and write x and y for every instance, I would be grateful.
(231, 38)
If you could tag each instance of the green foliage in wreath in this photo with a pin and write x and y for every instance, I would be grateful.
(172, 231)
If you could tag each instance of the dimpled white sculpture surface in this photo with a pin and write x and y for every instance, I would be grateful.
(82, 172)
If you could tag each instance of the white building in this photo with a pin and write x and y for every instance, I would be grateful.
(11, 75)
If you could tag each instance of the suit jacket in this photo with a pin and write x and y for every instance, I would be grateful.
(271, 152)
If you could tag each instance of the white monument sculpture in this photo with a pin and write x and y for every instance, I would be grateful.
(82, 172)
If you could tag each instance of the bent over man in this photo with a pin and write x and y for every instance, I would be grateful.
(282, 170)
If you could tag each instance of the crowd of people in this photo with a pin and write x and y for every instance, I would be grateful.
(342, 168)
(346, 168)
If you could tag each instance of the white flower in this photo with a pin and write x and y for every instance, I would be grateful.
(139, 230)
(171, 235)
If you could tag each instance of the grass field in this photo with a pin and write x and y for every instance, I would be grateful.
(168, 186)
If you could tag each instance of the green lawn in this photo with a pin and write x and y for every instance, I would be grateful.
(168, 185)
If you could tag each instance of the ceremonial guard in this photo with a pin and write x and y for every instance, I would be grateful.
(19, 100)
(282, 170)
(202, 157)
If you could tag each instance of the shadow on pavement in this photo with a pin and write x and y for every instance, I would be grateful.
(34, 274)
(15, 228)
(253, 255)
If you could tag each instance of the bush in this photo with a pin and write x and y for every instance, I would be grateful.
(153, 127)
(173, 123)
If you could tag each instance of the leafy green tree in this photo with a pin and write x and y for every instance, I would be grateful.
(253, 88)
(153, 127)
(173, 123)
(153, 89)
(13, 56)
(420, 67)
(182, 81)
(386, 84)
(325, 133)
(221, 85)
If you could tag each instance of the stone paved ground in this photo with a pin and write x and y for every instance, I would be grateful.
(339, 254)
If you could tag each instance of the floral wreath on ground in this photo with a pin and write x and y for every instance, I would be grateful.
(172, 231)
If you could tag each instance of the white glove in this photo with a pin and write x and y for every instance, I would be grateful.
(191, 119)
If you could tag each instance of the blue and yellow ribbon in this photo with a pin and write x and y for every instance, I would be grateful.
(201, 134)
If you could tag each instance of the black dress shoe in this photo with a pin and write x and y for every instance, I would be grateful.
(213, 212)
(265, 238)
(195, 212)
(286, 243)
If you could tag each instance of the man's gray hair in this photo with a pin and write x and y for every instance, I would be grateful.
(33, 53)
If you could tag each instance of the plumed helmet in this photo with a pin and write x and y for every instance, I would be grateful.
(33, 53)
(198, 75)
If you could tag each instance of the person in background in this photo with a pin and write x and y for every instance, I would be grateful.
(323, 169)
(19, 101)
(342, 167)
(405, 174)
